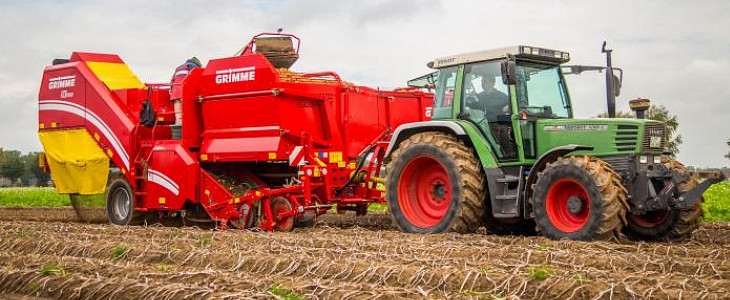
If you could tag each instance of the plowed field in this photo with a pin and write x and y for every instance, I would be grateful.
(343, 257)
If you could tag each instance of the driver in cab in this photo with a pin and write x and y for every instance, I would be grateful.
(491, 101)
(494, 103)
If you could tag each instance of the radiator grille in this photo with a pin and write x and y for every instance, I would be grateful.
(655, 138)
(626, 137)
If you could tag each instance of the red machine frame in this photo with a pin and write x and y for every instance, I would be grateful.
(241, 114)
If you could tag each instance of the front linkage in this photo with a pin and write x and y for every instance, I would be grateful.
(669, 196)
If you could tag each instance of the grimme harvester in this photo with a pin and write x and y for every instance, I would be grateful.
(259, 145)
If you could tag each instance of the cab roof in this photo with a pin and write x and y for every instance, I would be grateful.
(519, 51)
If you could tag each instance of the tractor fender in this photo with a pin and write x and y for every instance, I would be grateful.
(408, 129)
(540, 164)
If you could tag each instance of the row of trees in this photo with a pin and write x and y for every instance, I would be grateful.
(22, 169)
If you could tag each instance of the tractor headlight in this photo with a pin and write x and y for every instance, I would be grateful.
(643, 159)
(657, 159)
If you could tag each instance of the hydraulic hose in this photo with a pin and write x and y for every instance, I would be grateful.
(360, 163)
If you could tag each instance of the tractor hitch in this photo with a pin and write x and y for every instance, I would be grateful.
(687, 200)
(668, 197)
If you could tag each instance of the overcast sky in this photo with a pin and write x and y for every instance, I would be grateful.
(673, 52)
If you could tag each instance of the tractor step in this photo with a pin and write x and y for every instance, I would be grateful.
(508, 179)
(507, 197)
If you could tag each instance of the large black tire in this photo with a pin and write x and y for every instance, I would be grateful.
(453, 179)
(579, 198)
(668, 225)
(120, 203)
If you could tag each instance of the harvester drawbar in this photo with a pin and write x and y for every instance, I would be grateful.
(260, 145)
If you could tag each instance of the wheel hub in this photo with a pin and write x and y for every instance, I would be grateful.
(439, 191)
(575, 204)
(122, 201)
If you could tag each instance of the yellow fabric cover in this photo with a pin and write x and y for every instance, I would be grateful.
(77, 163)
(115, 76)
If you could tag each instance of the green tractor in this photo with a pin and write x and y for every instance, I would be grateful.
(504, 151)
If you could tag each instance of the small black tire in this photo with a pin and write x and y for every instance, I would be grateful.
(120, 203)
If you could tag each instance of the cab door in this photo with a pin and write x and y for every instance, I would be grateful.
(486, 103)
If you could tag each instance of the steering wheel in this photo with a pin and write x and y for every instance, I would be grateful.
(470, 99)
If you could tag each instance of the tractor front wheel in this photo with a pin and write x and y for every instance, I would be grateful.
(667, 225)
(579, 198)
(434, 184)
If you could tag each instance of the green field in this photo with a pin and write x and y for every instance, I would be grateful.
(717, 200)
(45, 197)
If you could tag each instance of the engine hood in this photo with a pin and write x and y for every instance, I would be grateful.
(608, 137)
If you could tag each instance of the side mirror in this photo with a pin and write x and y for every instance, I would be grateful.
(509, 72)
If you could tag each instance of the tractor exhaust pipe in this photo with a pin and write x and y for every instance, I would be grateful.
(610, 94)
(639, 106)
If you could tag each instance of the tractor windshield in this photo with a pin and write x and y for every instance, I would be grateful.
(541, 91)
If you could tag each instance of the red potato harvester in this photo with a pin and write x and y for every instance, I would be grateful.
(259, 145)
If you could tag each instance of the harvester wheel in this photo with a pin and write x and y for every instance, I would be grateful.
(120, 203)
(434, 184)
(667, 225)
(282, 205)
(248, 216)
(579, 198)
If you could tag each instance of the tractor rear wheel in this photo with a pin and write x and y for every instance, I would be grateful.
(579, 198)
(435, 183)
(668, 225)
(120, 203)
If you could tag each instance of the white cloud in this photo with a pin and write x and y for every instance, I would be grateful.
(674, 52)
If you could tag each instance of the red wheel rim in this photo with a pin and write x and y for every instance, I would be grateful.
(650, 219)
(561, 194)
(424, 192)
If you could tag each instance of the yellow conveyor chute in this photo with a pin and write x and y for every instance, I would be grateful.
(78, 165)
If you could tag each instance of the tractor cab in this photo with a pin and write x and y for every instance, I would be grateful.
(503, 92)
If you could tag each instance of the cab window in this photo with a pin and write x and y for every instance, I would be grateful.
(487, 104)
(443, 105)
